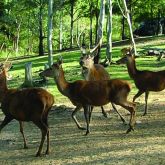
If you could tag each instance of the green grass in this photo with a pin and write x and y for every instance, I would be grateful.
(73, 70)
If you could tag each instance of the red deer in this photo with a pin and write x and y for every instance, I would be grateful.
(46, 73)
(84, 94)
(95, 72)
(31, 104)
(144, 80)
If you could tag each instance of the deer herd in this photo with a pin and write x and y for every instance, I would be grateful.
(98, 89)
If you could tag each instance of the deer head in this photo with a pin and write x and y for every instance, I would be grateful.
(56, 67)
(86, 61)
(87, 58)
(128, 55)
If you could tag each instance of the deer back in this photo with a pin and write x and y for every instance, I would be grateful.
(27, 104)
(98, 93)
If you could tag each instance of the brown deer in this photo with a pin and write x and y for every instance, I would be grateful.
(95, 72)
(31, 104)
(84, 94)
(145, 80)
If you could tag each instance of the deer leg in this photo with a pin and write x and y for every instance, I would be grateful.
(75, 119)
(137, 95)
(48, 135)
(146, 101)
(86, 114)
(131, 108)
(6, 120)
(121, 117)
(48, 143)
(103, 112)
(44, 131)
(21, 130)
(90, 112)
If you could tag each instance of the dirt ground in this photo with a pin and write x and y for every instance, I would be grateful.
(107, 143)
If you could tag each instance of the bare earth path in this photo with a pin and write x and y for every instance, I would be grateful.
(107, 143)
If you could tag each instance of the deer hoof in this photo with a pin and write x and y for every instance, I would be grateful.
(38, 154)
(129, 130)
(47, 152)
(105, 115)
(87, 132)
(25, 147)
(144, 114)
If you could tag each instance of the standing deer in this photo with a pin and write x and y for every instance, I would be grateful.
(145, 80)
(31, 104)
(84, 94)
(95, 72)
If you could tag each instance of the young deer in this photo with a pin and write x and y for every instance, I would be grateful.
(95, 72)
(31, 104)
(145, 80)
(84, 94)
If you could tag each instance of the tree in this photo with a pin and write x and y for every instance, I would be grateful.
(127, 16)
(129, 24)
(50, 27)
(100, 30)
(109, 32)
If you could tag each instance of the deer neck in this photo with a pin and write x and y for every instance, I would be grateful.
(132, 68)
(61, 82)
(3, 85)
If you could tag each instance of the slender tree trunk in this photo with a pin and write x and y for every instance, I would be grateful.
(101, 20)
(50, 28)
(91, 15)
(17, 38)
(96, 26)
(41, 47)
(97, 21)
(159, 23)
(109, 31)
(28, 48)
(123, 28)
(61, 31)
(130, 26)
(100, 30)
(71, 24)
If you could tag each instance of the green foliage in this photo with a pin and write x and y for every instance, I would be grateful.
(19, 20)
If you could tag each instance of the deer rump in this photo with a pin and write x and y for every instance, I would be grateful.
(25, 104)
(89, 92)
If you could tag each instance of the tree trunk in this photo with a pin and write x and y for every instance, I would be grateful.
(109, 32)
(61, 31)
(17, 37)
(90, 33)
(123, 28)
(71, 23)
(28, 75)
(130, 26)
(100, 30)
(41, 47)
(159, 31)
(96, 26)
(50, 27)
